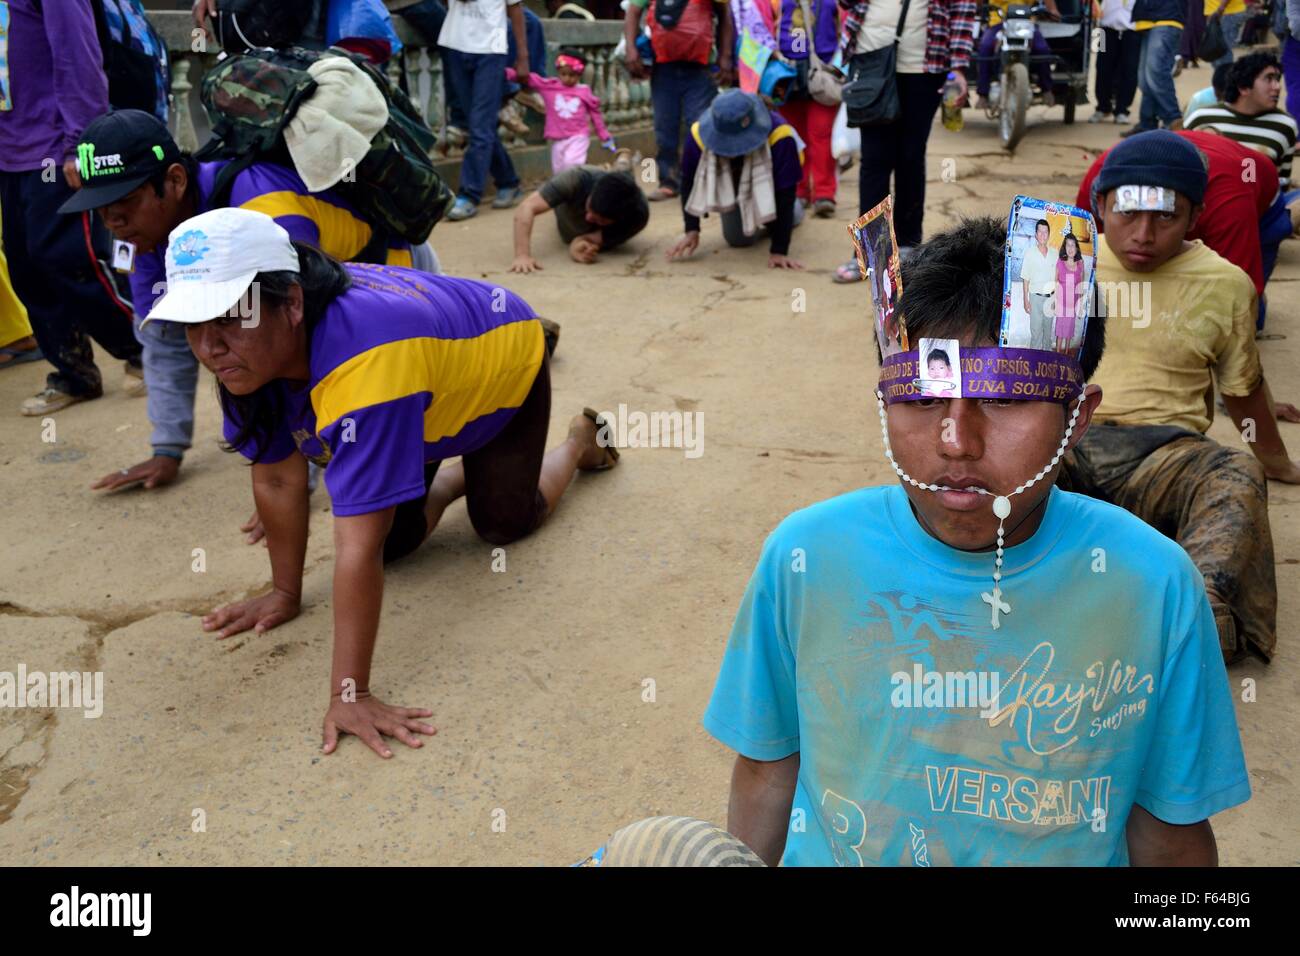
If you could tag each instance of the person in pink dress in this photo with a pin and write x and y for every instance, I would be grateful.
(569, 105)
(1069, 284)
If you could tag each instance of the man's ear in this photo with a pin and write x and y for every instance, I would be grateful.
(177, 181)
(1197, 209)
(1088, 405)
(1098, 211)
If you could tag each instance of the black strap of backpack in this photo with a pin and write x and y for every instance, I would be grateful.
(374, 251)
(902, 18)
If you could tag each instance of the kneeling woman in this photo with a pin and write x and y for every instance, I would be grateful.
(377, 373)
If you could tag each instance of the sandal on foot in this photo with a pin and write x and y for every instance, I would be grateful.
(611, 452)
(550, 335)
(20, 356)
(848, 272)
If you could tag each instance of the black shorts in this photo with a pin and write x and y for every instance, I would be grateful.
(501, 480)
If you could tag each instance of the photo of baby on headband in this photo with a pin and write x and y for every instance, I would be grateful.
(877, 252)
(1051, 266)
(940, 368)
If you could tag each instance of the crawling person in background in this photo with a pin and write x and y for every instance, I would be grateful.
(1109, 737)
(378, 374)
(570, 104)
(745, 162)
(158, 187)
(595, 210)
(1193, 329)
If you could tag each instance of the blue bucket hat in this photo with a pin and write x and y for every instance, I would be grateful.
(735, 123)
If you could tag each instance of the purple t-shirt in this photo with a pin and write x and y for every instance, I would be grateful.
(406, 368)
(52, 81)
(825, 29)
(322, 219)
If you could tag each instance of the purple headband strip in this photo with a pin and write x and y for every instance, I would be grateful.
(1027, 375)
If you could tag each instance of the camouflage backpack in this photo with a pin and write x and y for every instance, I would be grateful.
(250, 98)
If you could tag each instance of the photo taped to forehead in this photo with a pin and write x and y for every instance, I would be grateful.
(1143, 199)
(940, 369)
(1049, 276)
(877, 252)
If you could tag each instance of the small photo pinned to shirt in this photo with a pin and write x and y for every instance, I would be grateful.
(1133, 198)
(877, 252)
(123, 256)
(1051, 270)
(940, 368)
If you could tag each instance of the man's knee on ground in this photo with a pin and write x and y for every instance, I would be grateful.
(506, 526)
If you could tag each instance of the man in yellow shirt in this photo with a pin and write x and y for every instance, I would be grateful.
(1181, 319)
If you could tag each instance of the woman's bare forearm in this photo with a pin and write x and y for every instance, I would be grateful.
(283, 504)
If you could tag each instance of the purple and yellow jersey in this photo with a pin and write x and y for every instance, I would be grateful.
(322, 219)
(406, 368)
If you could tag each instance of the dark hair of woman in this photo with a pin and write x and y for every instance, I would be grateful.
(1065, 243)
(259, 413)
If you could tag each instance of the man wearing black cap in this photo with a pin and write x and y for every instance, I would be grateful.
(144, 187)
(744, 162)
(52, 88)
(1182, 320)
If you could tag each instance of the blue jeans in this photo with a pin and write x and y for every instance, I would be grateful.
(1291, 71)
(1156, 78)
(171, 373)
(680, 92)
(426, 18)
(536, 40)
(478, 81)
(1274, 226)
(1232, 23)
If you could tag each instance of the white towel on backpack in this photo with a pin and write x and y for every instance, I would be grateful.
(332, 129)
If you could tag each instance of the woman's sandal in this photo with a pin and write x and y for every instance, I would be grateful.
(848, 272)
(20, 356)
(611, 453)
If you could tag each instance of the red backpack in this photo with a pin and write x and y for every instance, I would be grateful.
(691, 40)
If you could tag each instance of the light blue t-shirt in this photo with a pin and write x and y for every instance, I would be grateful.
(1200, 98)
(1110, 687)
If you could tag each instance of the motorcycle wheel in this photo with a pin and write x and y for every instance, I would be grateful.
(1015, 101)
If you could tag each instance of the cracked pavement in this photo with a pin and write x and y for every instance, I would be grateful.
(535, 676)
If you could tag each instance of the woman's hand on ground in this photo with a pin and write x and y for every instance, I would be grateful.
(371, 719)
(525, 264)
(259, 613)
(684, 247)
(254, 529)
(157, 471)
(775, 261)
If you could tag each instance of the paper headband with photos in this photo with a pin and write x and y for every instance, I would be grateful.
(1047, 292)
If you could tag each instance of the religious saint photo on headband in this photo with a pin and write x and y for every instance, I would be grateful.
(1051, 266)
(877, 253)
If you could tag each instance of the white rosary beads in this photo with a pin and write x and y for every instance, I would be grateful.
(1001, 503)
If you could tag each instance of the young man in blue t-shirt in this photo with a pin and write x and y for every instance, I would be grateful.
(882, 715)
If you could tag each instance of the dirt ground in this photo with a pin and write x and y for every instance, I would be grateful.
(536, 676)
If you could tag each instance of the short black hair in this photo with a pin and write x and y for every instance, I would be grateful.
(191, 172)
(616, 196)
(940, 355)
(1219, 81)
(1042, 222)
(953, 285)
(1243, 72)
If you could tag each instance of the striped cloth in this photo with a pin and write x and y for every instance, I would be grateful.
(673, 841)
(1272, 133)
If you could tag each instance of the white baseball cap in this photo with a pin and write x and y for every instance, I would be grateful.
(212, 259)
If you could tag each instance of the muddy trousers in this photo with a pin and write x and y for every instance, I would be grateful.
(1211, 499)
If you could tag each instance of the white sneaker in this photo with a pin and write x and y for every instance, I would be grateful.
(1098, 117)
(1122, 118)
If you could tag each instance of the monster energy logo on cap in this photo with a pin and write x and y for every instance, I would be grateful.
(89, 165)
